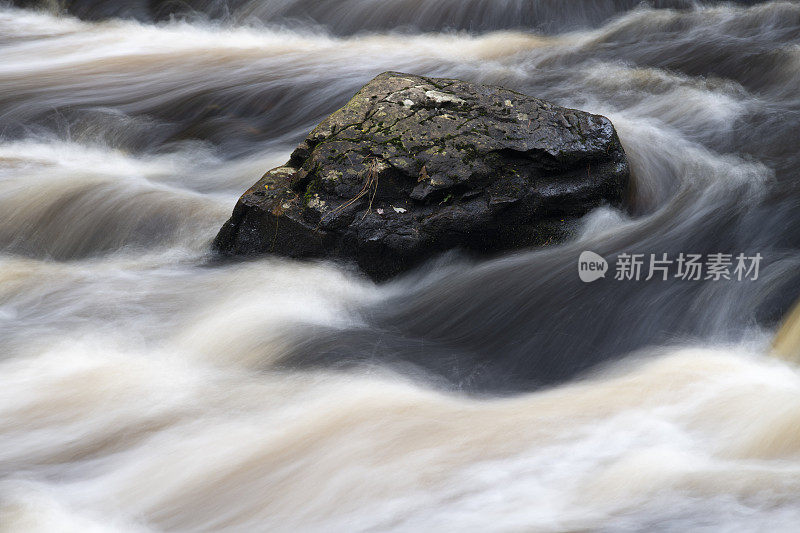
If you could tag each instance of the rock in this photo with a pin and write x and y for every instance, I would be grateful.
(414, 166)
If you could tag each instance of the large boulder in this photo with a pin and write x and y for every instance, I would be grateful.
(414, 166)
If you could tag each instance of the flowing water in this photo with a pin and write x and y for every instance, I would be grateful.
(146, 387)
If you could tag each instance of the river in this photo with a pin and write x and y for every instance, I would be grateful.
(146, 386)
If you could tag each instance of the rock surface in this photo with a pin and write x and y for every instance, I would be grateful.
(414, 166)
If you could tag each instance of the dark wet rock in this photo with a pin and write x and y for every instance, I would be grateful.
(414, 166)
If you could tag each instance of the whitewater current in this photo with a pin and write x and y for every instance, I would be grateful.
(146, 386)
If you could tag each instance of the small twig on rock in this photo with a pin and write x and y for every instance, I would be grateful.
(371, 184)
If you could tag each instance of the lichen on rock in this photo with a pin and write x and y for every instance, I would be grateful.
(413, 166)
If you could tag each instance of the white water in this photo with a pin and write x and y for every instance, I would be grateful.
(144, 388)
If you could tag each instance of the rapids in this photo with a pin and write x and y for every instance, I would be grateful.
(144, 386)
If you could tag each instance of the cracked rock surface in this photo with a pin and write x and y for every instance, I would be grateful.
(414, 166)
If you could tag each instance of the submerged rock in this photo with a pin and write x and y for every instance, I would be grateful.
(414, 166)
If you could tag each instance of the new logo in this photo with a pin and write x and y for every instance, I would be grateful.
(591, 266)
